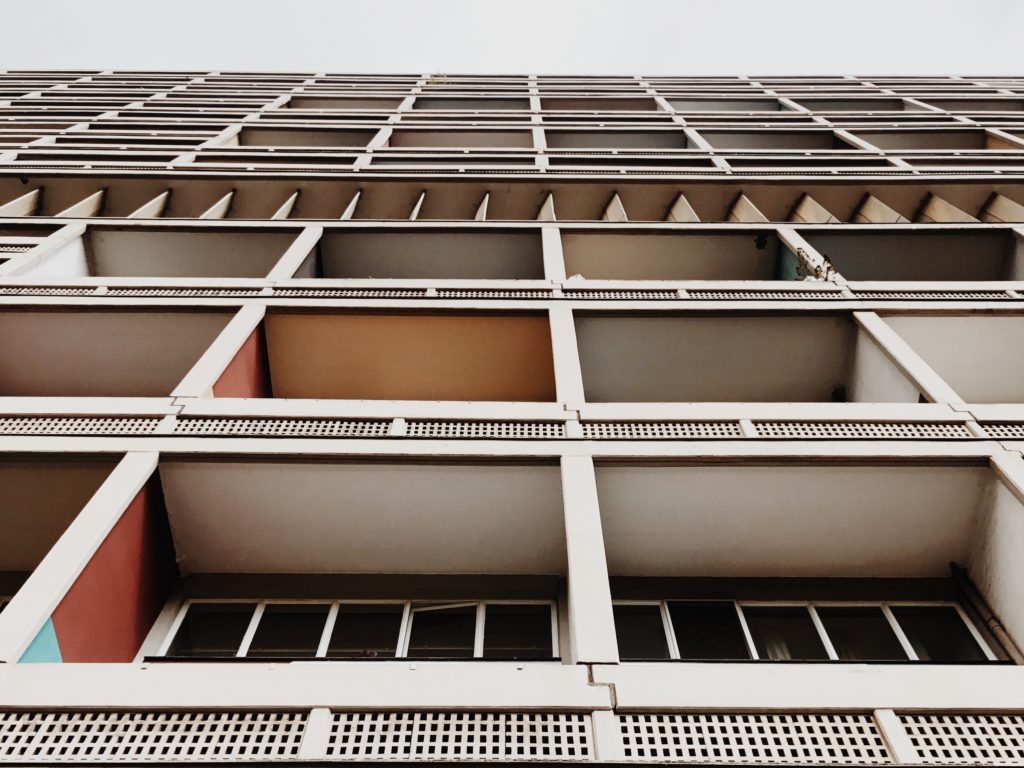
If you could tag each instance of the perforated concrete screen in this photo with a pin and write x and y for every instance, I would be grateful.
(459, 418)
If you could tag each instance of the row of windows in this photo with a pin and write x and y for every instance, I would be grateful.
(703, 630)
(306, 630)
(727, 630)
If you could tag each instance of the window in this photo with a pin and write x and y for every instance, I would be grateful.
(295, 630)
(640, 630)
(442, 632)
(212, 630)
(707, 630)
(519, 632)
(860, 633)
(289, 631)
(784, 633)
(938, 633)
(366, 631)
(703, 630)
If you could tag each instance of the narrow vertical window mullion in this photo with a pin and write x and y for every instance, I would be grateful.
(746, 632)
(478, 637)
(250, 631)
(179, 619)
(670, 631)
(403, 631)
(325, 637)
(825, 639)
(974, 632)
(556, 650)
(908, 648)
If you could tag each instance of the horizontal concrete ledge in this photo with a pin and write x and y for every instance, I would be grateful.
(358, 685)
(812, 687)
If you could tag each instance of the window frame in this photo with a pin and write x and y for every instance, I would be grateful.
(812, 605)
(409, 608)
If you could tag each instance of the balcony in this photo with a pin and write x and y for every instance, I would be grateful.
(39, 497)
(590, 104)
(726, 105)
(251, 136)
(690, 256)
(976, 104)
(85, 353)
(937, 140)
(469, 104)
(427, 255)
(657, 140)
(774, 140)
(971, 353)
(455, 139)
(928, 256)
(363, 573)
(860, 106)
(734, 357)
(347, 103)
(787, 561)
(396, 356)
(138, 252)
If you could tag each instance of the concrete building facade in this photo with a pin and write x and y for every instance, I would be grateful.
(449, 418)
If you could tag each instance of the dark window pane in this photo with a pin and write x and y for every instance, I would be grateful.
(446, 633)
(289, 631)
(640, 632)
(784, 633)
(707, 630)
(366, 631)
(212, 629)
(518, 632)
(861, 634)
(937, 633)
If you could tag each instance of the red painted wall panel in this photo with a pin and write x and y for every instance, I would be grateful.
(112, 605)
(248, 374)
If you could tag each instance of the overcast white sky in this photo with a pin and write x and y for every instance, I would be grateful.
(694, 37)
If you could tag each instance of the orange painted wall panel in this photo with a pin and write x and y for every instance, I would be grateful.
(112, 605)
(411, 357)
(247, 375)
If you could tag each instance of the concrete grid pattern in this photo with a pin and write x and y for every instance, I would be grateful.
(562, 370)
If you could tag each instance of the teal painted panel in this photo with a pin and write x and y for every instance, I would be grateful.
(787, 266)
(44, 649)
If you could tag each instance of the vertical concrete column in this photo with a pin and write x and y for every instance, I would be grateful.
(591, 624)
(896, 738)
(568, 374)
(297, 253)
(316, 735)
(607, 737)
(200, 380)
(554, 260)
